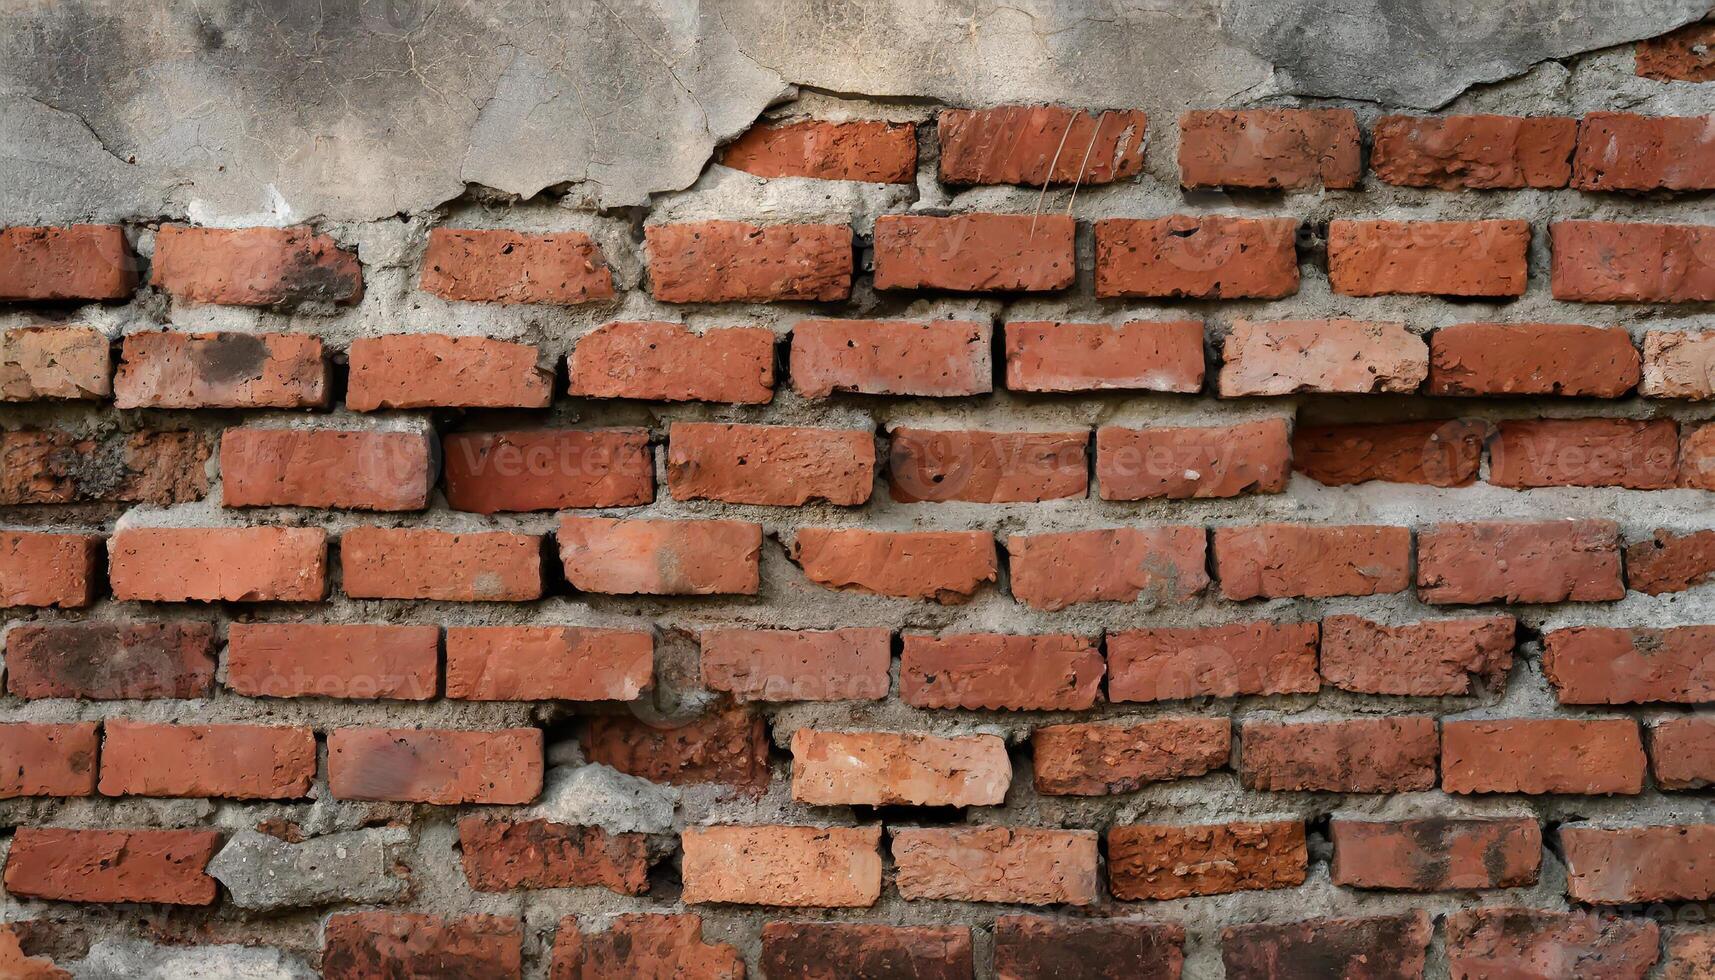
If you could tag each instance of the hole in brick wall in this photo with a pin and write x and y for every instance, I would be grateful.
(924, 816)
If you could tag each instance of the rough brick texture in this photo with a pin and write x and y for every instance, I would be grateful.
(1275, 560)
(727, 261)
(1390, 947)
(1036, 145)
(1138, 464)
(425, 766)
(1542, 755)
(1139, 355)
(819, 867)
(638, 557)
(872, 151)
(812, 949)
(1095, 760)
(1624, 865)
(221, 370)
(245, 762)
(418, 563)
(1495, 561)
(1166, 664)
(236, 564)
(1685, 55)
(890, 357)
(768, 464)
(437, 371)
(254, 266)
(159, 866)
(946, 566)
(1434, 453)
(54, 363)
(1532, 359)
(494, 266)
(1435, 258)
(1327, 356)
(1437, 854)
(1155, 862)
(987, 670)
(40, 569)
(79, 262)
(359, 470)
(1271, 149)
(986, 467)
(1476, 152)
(669, 362)
(381, 944)
(1361, 755)
(975, 253)
(1506, 941)
(1014, 865)
(288, 660)
(547, 469)
(1053, 571)
(1621, 151)
(1624, 262)
(1196, 257)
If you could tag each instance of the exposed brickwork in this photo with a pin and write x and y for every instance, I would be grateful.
(889, 357)
(868, 150)
(254, 266)
(669, 362)
(1435, 258)
(53, 363)
(1036, 145)
(975, 253)
(1162, 862)
(725, 261)
(1532, 359)
(495, 266)
(1139, 355)
(1271, 149)
(221, 370)
(1197, 257)
(79, 262)
(1624, 262)
(1476, 152)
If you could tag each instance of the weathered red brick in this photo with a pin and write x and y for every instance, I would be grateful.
(221, 370)
(54, 362)
(1496, 561)
(1609, 262)
(1138, 355)
(44, 569)
(1532, 359)
(1697, 457)
(53, 466)
(988, 670)
(798, 665)
(1040, 144)
(1157, 862)
(356, 469)
(1178, 463)
(1302, 560)
(1015, 865)
(254, 266)
(218, 564)
(783, 465)
(946, 566)
(815, 867)
(731, 261)
(819, 949)
(18, 965)
(885, 768)
(929, 358)
(1436, 452)
(1272, 149)
(1669, 562)
(1690, 952)
(1380, 947)
(1428, 258)
(548, 469)
(48, 760)
(1475, 152)
(642, 946)
(1287, 357)
(243, 762)
(975, 253)
(427, 766)
(506, 855)
(1685, 55)
(501, 266)
(1623, 151)
(1352, 755)
(1518, 942)
(650, 557)
(723, 745)
(1197, 257)
(438, 371)
(1429, 659)
(1099, 759)
(1053, 571)
(77, 262)
(1028, 947)
(1587, 756)
(1682, 752)
(160, 866)
(1627, 865)
(987, 467)
(1629, 453)
(1678, 364)
(1168, 664)
(422, 563)
(1617, 665)
(559, 663)
(1436, 854)
(870, 150)
(670, 362)
(291, 660)
(110, 661)
(367, 945)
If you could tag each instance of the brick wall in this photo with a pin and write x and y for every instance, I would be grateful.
(943, 543)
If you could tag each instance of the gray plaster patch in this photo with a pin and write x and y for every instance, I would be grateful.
(602, 796)
(360, 866)
(112, 959)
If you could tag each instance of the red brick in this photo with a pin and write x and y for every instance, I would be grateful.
(506, 855)
(1497, 561)
(1041, 144)
(1099, 759)
(370, 945)
(1354, 755)
(769, 464)
(1287, 357)
(1532, 359)
(427, 766)
(292, 660)
(946, 566)
(1474, 152)
(1616, 665)
(42, 569)
(1586, 756)
(548, 469)
(1696, 461)
(1628, 865)
(1678, 364)
(1197, 257)
(1516, 942)
(1053, 571)
(1437, 452)
(823, 949)
(670, 362)
(560, 663)
(870, 150)
(1682, 752)
(798, 665)
(724, 745)
(1380, 947)
(1609, 262)
(1670, 562)
(18, 965)
(1436, 854)
(48, 760)
(642, 946)
(53, 466)
(1035, 948)
(1690, 952)
(929, 358)
(242, 762)
(324, 468)
(1167, 664)
(160, 866)
(1015, 865)
(438, 371)
(649, 557)
(1275, 561)
(987, 467)
(1436, 658)
(110, 661)
(975, 253)
(254, 266)
(1585, 453)
(218, 564)
(77, 262)
(54, 362)
(1428, 258)
(221, 370)
(420, 563)
(1157, 862)
(1178, 463)
(813, 867)
(730, 261)
(885, 769)
(992, 671)
(500, 266)
(1271, 149)
(1685, 55)
(1621, 151)
(1138, 355)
